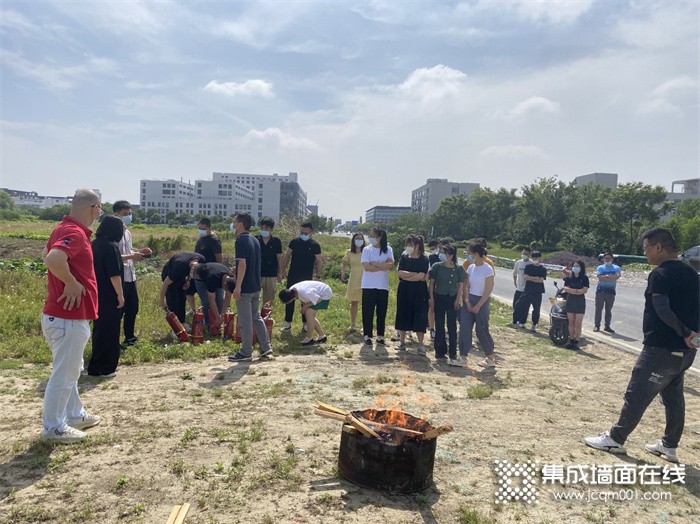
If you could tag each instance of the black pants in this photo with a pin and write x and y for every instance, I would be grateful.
(176, 298)
(131, 308)
(444, 307)
(523, 304)
(657, 371)
(105, 340)
(516, 297)
(289, 308)
(374, 299)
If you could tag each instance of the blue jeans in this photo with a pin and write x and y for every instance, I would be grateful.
(248, 309)
(468, 320)
(67, 339)
(657, 371)
(204, 299)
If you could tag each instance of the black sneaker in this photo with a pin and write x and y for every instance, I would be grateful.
(608, 329)
(238, 357)
(569, 345)
(596, 329)
(368, 341)
(380, 341)
(130, 341)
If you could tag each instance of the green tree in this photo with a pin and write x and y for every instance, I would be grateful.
(6, 201)
(451, 217)
(54, 213)
(541, 212)
(685, 224)
(590, 226)
(636, 207)
(153, 216)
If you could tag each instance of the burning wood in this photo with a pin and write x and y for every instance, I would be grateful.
(362, 428)
(377, 425)
(436, 432)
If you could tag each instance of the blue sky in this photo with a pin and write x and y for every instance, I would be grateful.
(365, 100)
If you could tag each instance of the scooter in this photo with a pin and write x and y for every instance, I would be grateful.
(558, 320)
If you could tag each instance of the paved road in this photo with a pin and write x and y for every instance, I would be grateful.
(626, 313)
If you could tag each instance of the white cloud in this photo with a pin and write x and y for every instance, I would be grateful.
(433, 82)
(275, 138)
(139, 18)
(660, 25)
(674, 85)
(544, 10)
(247, 88)
(136, 85)
(514, 152)
(659, 106)
(534, 104)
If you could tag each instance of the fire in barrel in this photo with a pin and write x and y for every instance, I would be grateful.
(386, 450)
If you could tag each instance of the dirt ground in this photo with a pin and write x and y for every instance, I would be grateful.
(240, 442)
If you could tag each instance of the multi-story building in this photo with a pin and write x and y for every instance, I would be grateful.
(602, 179)
(683, 190)
(34, 199)
(225, 194)
(426, 199)
(385, 214)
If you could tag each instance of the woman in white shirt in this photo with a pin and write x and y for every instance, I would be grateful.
(476, 306)
(377, 260)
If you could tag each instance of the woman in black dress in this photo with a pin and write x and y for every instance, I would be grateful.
(576, 286)
(109, 272)
(412, 294)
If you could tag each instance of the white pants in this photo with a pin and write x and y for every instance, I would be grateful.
(67, 339)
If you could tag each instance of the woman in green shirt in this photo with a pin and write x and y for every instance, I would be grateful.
(446, 286)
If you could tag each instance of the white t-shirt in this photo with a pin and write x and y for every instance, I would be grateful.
(313, 291)
(477, 278)
(125, 248)
(376, 279)
(519, 272)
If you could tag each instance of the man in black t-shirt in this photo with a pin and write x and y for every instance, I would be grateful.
(213, 277)
(271, 259)
(534, 275)
(208, 246)
(176, 288)
(671, 323)
(305, 253)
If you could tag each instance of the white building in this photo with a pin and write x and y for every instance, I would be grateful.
(34, 199)
(385, 214)
(602, 179)
(684, 189)
(426, 199)
(226, 194)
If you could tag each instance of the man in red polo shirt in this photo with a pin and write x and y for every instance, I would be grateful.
(70, 305)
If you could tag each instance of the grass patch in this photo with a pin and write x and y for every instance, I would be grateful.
(480, 391)
(472, 516)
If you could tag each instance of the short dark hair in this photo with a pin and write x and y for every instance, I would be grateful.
(307, 224)
(205, 221)
(201, 271)
(266, 221)
(287, 295)
(231, 284)
(661, 236)
(111, 228)
(120, 205)
(478, 249)
(528, 249)
(244, 218)
(608, 253)
(432, 242)
(535, 254)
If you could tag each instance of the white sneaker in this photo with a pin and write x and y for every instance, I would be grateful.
(605, 443)
(421, 350)
(520, 325)
(512, 324)
(84, 422)
(662, 451)
(401, 346)
(305, 328)
(287, 327)
(395, 337)
(487, 363)
(66, 436)
(457, 362)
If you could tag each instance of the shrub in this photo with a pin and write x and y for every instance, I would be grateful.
(566, 258)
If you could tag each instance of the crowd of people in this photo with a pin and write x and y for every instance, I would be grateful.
(436, 295)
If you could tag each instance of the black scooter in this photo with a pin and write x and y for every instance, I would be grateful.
(558, 320)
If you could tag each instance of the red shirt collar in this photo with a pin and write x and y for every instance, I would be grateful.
(68, 218)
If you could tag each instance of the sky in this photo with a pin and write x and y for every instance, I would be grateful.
(364, 100)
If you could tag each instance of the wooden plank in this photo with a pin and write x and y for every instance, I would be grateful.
(182, 514)
(436, 432)
(173, 514)
(327, 407)
(362, 428)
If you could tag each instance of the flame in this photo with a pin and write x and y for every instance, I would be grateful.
(396, 418)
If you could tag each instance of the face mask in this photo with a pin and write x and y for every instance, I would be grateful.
(409, 250)
(372, 240)
(442, 257)
(575, 270)
(231, 228)
(470, 258)
(126, 219)
(608, 263)
(535, 261)
(202, 232)
(524, 257)
(436, 251)
(304, 236)
(264, 233)
(359, 242)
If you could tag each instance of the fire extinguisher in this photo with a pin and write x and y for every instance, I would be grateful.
(213, 326)
(229, 325)
(198, 328)
(266, 310)
(177, 326)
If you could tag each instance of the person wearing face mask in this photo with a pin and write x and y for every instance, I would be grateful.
(447, 280)
(209, 246)
(608, 275)
(177, 288)
(519, 282)
(534, 276)
(122, 209)
(476, 310)
(71, 303)
(377, 260)
(433, 258)
(305, 255)
(469, 260)
(576, 286)
(353, 260)
(271, 261)
(412, 292)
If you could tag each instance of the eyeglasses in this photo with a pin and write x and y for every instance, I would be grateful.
(102, 210)
(644, 248)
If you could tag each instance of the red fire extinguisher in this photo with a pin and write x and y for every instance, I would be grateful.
(266, 310)
(229, 325)
(198, 328)
(213, 326)
(177, 326)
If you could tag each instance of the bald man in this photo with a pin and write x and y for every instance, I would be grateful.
(70, 305)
